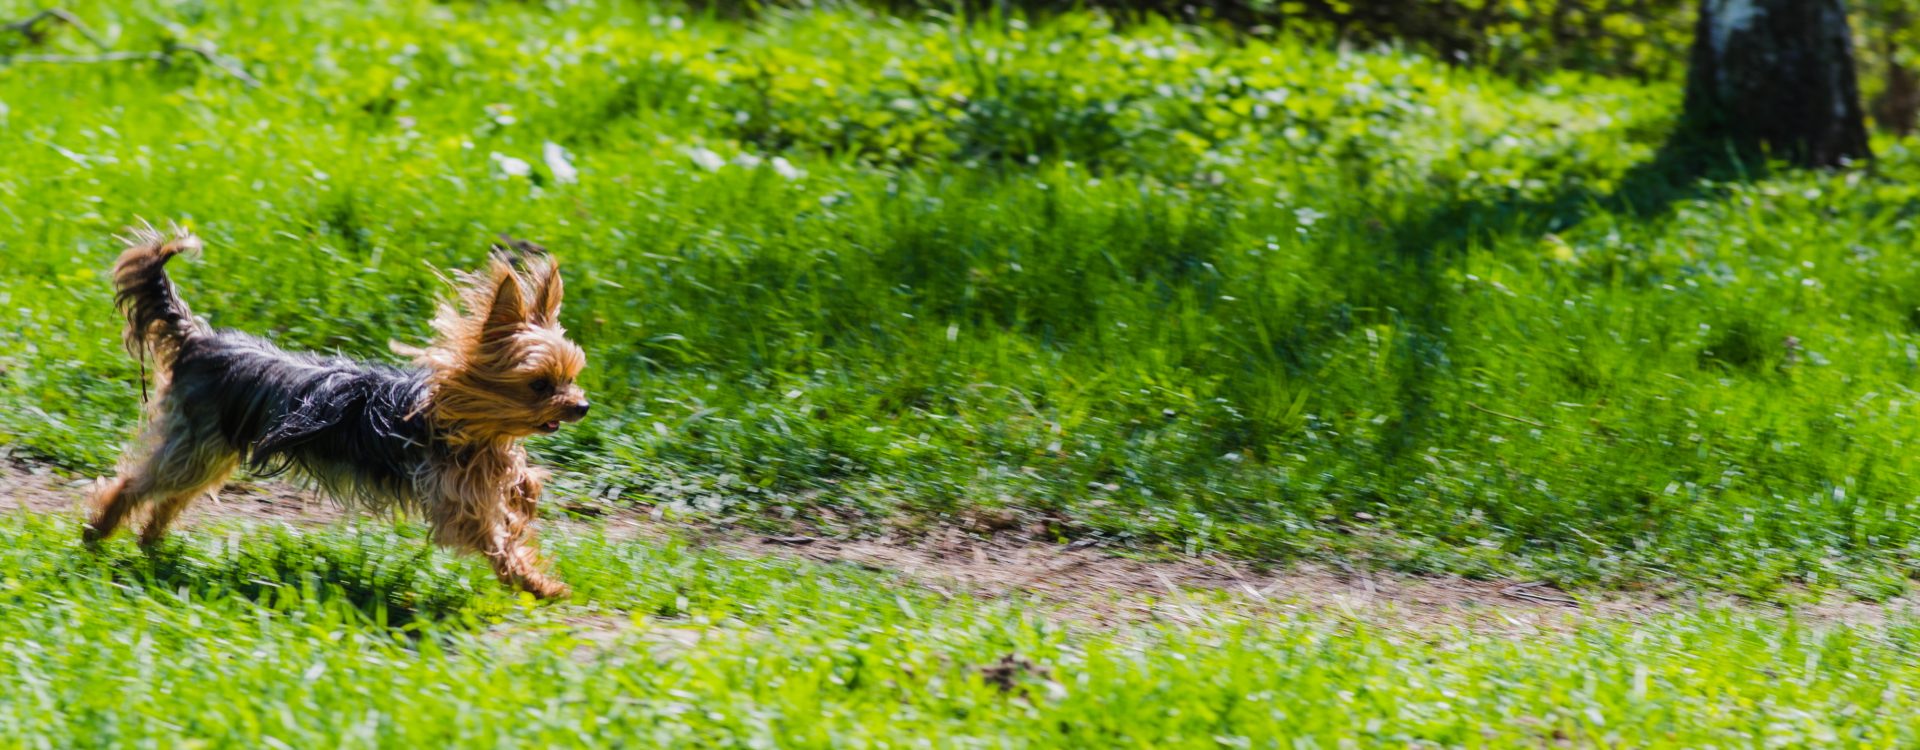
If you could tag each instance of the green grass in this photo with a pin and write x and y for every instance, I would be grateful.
(1152, 283)
(235, 637)
(1165, 286)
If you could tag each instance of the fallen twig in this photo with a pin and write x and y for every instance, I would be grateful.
(1526, 421)
(850, 562)
(225, 64)
(25, 26)
(84, 59)
(219, 63)
(1504, 415)
(1524, 591)
(206, 52)
(173, 48)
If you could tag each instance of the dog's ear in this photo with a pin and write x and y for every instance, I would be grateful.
(508, 311)
(511, 246)
(548, 290)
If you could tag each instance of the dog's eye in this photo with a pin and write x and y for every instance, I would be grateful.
(543, 386)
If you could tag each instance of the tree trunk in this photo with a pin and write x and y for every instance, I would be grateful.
(1777, 77)
(1898, 108)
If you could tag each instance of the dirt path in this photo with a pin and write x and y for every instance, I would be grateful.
(1088, 584)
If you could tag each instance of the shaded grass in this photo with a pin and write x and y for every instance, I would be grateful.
(1145, 284)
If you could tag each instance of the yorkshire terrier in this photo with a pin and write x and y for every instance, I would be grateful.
(441, 439)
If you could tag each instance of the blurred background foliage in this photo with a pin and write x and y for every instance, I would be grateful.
(1645, 39)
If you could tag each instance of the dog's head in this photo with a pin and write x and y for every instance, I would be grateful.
(502, 367)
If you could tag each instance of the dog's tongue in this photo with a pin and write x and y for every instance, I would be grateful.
(553, 426)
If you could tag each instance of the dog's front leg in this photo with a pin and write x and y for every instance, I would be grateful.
(516, 564)
(512, 554)
(498, 525)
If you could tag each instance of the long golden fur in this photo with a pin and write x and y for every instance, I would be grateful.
(442, 438)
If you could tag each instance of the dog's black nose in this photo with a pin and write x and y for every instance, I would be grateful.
(580, 409)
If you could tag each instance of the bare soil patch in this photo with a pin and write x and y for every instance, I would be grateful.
(1101, 587)
(1087, 584)
(40, 488)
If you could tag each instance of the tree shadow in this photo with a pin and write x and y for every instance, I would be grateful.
(283, 571)
(1430, 244)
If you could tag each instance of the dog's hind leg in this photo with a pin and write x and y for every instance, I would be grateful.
(166, 510)
(111, 504)
(180, 460)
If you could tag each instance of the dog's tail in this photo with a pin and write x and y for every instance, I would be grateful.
(157, 319)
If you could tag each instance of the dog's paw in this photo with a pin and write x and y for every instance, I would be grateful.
(546, 588)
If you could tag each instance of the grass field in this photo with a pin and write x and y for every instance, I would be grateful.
(1179, 291)
(1142, 283)
(268, 638)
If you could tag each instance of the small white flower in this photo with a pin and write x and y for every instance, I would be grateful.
(786, 168)
(511, 166)
(706, 158)
(558, 164)
(747, 160)
(501, 113)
